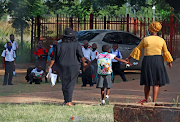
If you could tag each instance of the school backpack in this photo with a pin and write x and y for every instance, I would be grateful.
(104, 64)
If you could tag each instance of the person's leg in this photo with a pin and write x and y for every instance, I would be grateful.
(31, 78)
(155, 92)
(11, 64)
(113, 68)
(102, 93)
(108, 91)
(146, 92)
(95, 73)
(84, 80)
(107, 96)
(14, 73)
(89, 75)
(6, 73)
(117, 66)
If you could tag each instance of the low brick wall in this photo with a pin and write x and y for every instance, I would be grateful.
(146, 113)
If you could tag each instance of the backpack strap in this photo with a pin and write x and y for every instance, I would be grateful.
(50, 52)
(5, 53)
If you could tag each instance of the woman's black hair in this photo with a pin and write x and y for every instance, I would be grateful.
(69, 39)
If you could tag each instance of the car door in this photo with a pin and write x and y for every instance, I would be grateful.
(131, 42)
(114, 38)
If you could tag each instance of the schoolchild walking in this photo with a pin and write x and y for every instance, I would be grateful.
(104, 61)
(50, 54)
(14, 47)
(94, 54)
(116, 65)
(9, 56)
(41, 56)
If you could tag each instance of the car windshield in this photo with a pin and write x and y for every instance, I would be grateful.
(86, 35)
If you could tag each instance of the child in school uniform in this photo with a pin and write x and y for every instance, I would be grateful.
(87, 74)
(14, 47)
(36, 75)
(9, 56)
(104, 61)
(41, 56)
(116, 64)
(50, 54)
(94, 54)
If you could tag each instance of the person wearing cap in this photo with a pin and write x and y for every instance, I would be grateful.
(153, 71)
(67, 55)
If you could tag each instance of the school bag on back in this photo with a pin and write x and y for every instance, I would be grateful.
(104, 64)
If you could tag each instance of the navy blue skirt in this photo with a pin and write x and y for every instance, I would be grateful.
(153, 71)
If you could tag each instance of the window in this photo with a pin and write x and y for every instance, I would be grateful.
(113, 38)
(86, 35)
(130, 39)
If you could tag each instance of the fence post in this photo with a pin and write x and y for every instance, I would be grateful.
(135, 26)
(163, 28)
(127, 22)
(71, 22)
(171, 33)
(32, 39)
(104, 22)
(57, 26)
(91, 21)
(38, 28)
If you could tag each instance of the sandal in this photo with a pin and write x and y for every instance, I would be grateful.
(142, 101)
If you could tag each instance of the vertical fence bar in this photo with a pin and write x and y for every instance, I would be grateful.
(91, 21)
(95, 23)
(141, 28)
(163, 28)
(127, 22)
(57, 26)
(171, 32)
(144, 25)
(104, 22)
(39, 25)
(32, 39)
(135, 26)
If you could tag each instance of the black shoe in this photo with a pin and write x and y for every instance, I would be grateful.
(37, 83)
(4, 84)
(91, 84)
(83, 86)
(30, 83)
(10, 84)
(125, 81)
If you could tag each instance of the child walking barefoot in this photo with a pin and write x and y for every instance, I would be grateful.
(104, 61)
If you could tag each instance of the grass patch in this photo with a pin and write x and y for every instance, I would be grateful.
(54, 113)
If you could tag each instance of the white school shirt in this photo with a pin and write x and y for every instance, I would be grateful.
(112, 56)
(116, 53)
(14, 45)
(38, 74)
(87, 53)
(94, 54)
(9, 55)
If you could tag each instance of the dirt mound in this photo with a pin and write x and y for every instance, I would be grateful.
(175, 71)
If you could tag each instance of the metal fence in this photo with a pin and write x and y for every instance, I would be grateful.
(50, 28)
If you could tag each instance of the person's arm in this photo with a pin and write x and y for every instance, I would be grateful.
(121, 60)
(166, 55)
(136, 53)
(35, 76)
(14, 58)
(53, 58)
(3, 55)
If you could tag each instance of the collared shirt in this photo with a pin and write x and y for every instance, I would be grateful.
(40, 51)
(9, 55)
(116, 53)
(94, 54)
(38, 74)
(14, 45)
(87, 53)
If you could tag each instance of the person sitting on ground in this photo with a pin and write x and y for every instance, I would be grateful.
(41, 54)
(36, 75)
(9, 57)
(50, 54)
(104, 61)
(116, 64)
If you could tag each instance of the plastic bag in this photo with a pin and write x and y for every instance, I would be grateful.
(52, 77)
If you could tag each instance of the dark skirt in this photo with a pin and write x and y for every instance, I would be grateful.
(41, 62)
(153, 71)
(104, 81)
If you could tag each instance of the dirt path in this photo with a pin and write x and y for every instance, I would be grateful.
(122, 92)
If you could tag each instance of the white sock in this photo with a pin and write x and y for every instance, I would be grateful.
(107, 96)
(14, 73)
(103, 101)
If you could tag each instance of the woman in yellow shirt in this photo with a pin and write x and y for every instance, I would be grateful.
(153, 71)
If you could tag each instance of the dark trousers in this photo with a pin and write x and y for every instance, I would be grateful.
(87, 76)
(116, 66)
(31, 79)
(9, 67)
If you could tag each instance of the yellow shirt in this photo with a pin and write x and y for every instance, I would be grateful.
(153, 45)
